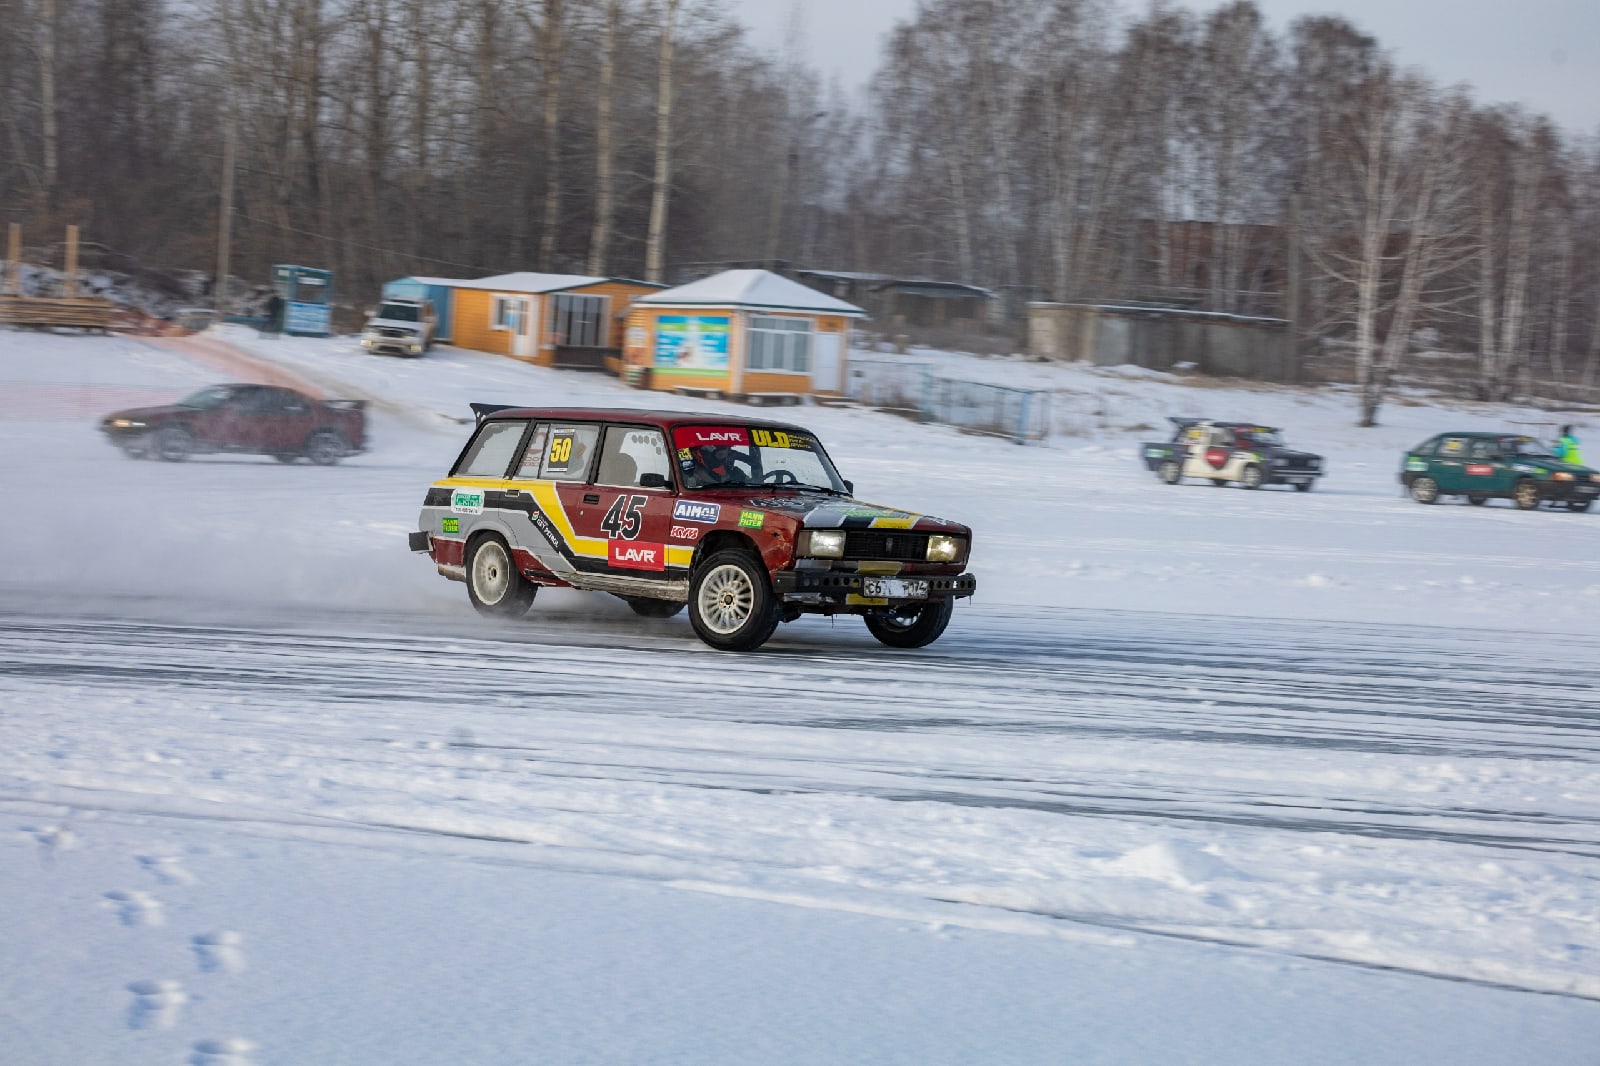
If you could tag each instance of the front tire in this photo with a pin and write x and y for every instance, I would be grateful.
(731, 604)
(493, 584)
(326, 447)
(912, 627)
(173, 444)
(1302, 486)
(1578, 505)
(1526, 495)
(1169, 471)
(1425, 490)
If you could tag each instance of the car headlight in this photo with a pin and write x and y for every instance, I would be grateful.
(126, 423)
(822, 543)
(943, 548)
(1594, 477)
(1561, 475)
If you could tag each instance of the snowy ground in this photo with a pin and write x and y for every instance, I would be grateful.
(1200, 777)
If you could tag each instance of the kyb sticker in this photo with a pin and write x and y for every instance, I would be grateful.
(690, 511)
(466, 501)
(685, 533)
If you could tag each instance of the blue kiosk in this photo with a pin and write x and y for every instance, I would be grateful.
(306, 292)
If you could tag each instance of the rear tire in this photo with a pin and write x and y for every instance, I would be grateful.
(731, 604)
(912, 627)
(326, 447)
(1250, 477)
(1526, 494)
(1425, 490)
(1169, 471)
(493, 584)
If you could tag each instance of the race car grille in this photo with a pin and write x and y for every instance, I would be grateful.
(894, 544)
(393, 331)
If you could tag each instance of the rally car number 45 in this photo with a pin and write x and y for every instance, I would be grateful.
(746, 524)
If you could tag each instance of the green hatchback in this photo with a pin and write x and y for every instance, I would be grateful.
(1485, 466)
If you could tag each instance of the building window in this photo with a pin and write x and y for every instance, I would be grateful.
(506, 312)
(579, 320)
(779, 344)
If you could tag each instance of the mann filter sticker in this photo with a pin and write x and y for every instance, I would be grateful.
(466, 501)
(450, 525)
(751, 519)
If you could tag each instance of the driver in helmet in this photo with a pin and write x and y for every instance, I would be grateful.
(715, 465)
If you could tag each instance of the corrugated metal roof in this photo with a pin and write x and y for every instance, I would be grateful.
(528, 281)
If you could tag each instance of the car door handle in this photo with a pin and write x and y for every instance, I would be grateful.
(591, 497)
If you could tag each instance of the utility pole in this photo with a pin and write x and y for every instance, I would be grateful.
(1291, 295)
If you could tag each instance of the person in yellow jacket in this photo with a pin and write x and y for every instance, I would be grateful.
(1567, 447)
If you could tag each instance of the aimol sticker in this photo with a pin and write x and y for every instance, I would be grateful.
(691, 511)
(466, 501)
(751, 519)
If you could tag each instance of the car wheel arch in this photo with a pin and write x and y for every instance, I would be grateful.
(724, 540)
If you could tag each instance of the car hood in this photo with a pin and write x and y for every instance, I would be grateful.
(1298, 456)
(1554, 466)
(818, 511)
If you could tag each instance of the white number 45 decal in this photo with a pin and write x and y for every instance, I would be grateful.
(624, 519)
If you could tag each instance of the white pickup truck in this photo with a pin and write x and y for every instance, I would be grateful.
(401, 327)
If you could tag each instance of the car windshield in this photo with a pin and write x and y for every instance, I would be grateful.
(398, 312)
(1526, 448)
(1260, 437)
(735, 455)
(208, 398)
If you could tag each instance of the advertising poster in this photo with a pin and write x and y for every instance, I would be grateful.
(691, 344)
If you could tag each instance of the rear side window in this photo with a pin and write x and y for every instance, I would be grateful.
(533, 455)
(570, 452)
(630, 453)
(1455, 446)
(491, 451)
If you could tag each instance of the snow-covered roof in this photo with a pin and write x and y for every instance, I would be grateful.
(760, 290)
(528, 281)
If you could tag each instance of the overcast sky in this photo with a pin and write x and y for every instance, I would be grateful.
(1542, 53)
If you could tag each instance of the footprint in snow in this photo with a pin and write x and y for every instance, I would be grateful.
(137, 908)
(219, 952)
(155, 1004)
(232, 1052)
(168, 869)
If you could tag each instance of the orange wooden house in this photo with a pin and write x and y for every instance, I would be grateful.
(565, 320)
(749, 333)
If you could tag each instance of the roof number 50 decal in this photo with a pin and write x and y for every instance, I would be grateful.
(624, 519)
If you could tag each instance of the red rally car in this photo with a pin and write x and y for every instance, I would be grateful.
(745, 522)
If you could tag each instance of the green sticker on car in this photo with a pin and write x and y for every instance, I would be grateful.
(450, 525)
(751, 519)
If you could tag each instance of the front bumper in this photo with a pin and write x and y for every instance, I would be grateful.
(1564, 491)
(832, 588)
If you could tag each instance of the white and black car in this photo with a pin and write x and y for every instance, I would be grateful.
(1248, 453)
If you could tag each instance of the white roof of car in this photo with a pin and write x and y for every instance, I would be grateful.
(751, 289)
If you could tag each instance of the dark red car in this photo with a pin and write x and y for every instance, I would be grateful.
(743, 521)
(258, 419)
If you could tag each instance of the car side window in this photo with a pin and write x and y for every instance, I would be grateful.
(629, 453)
(569, 453)
(533, 454)
(491, 450)
(1452, 447)
(292, 404)
(1483, 449)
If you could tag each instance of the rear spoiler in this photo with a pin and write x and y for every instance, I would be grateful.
(484, 410)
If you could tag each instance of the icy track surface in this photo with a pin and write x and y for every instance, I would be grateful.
(1425, 801)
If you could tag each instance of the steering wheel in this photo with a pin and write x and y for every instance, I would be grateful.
(780, 477)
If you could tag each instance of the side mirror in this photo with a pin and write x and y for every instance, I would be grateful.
(653, 480)
(849, 486)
